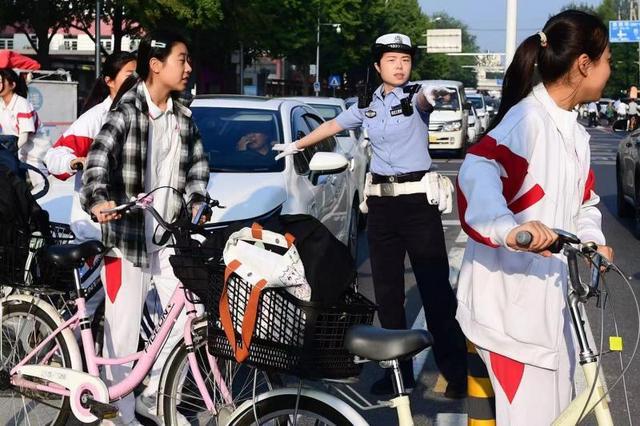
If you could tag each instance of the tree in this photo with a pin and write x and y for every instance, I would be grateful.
(40, 17)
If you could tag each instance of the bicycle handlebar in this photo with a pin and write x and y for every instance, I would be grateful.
(144, 202)
(567, 243)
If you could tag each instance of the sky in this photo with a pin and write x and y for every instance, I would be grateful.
(486, 18)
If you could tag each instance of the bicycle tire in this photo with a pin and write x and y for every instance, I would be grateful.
(179, 393)
(12, 350)
(280, 409)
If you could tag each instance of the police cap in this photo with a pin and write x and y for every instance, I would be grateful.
(393, 42)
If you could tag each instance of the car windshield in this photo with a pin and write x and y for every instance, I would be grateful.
(239, 139)
(329, 112)
(477, 102)
(450, 101)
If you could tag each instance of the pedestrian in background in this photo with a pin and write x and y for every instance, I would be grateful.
(402, 219)
(531, 173)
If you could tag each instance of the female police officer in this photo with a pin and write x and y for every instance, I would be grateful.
(403, 215)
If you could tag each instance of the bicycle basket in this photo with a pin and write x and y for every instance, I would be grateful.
(20, 261)
(290, 335)
(198, 269)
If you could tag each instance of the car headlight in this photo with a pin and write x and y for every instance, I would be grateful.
(452, 126)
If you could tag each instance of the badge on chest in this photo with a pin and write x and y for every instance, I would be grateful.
(370, 113)
(396, 110)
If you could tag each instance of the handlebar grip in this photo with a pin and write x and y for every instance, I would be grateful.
(524, 238)
(77, 166)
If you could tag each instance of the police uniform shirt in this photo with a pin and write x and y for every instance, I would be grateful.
(399, 143)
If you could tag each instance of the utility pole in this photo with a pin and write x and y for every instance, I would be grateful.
(510, 46)
(97, 32)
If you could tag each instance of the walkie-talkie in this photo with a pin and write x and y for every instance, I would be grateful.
(365, 100)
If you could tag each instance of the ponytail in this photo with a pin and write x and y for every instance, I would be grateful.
(549, 55)
(520, 77)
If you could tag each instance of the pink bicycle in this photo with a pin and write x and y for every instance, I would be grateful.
(43, 379)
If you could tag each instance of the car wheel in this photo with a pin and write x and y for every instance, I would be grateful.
(353, 230)
(624, 208)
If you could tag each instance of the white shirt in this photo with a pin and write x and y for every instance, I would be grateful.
(163, 161)
(592, 107)
(622, 108)
(18, 116)
(535, 165)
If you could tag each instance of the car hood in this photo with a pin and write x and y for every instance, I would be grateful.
(439, 116)
(246, 195)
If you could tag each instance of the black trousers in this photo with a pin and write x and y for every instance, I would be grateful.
(408, 224)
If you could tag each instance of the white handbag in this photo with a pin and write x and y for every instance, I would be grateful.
(245, 255)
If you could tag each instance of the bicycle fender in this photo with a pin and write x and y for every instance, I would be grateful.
(344, 408)
(67, 334)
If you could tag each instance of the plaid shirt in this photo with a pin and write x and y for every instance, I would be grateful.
(116, 166)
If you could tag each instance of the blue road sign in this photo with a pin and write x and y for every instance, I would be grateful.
(624, 31)
(335, 81)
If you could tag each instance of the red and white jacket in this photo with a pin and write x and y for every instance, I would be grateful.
(533, 166)
(75, 142)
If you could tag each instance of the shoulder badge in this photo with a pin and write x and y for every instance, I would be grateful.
(370, 113)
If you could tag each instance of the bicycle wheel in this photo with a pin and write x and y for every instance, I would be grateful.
(24, 326)
(280, 410)
(180, 394)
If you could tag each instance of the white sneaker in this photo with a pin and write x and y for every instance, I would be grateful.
(147, 407)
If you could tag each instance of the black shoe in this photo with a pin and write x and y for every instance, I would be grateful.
(384, 386)
(456, 390)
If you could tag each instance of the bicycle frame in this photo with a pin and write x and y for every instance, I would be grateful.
(589, 364)
(145, 358)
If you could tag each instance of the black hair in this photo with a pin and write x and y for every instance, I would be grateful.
(9, 75)
(110, 68)
(569, 34)
(156, 44)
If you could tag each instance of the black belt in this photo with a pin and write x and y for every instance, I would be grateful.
(399, 178)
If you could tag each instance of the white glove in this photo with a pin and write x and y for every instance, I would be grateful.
(286, 149)
(432, 92)
(439, 190)
(445, 204)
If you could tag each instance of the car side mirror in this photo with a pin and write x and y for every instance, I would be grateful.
(326, 163)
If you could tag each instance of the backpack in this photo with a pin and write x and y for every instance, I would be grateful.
(20, 216)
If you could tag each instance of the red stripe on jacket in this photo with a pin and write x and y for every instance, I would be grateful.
(590, 185)
(25, 114)
(79, 145)
(516, 168)
(462, 208)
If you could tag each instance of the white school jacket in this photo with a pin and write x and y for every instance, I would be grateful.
(533, 166)
(75, 142)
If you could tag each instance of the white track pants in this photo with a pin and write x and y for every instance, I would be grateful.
(529, 395)
(127, 287)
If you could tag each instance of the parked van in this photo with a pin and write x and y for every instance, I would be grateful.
(448, 123)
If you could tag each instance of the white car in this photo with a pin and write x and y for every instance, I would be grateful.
(246, 178)
(352, 142)
(474, 130)
(477, 100)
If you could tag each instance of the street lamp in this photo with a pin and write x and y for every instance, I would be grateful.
(316, 86)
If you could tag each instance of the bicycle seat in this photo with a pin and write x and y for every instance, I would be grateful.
(381, 344)
(72, 255)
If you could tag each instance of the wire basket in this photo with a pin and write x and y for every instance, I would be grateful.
(291, 336)
(21, 263)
